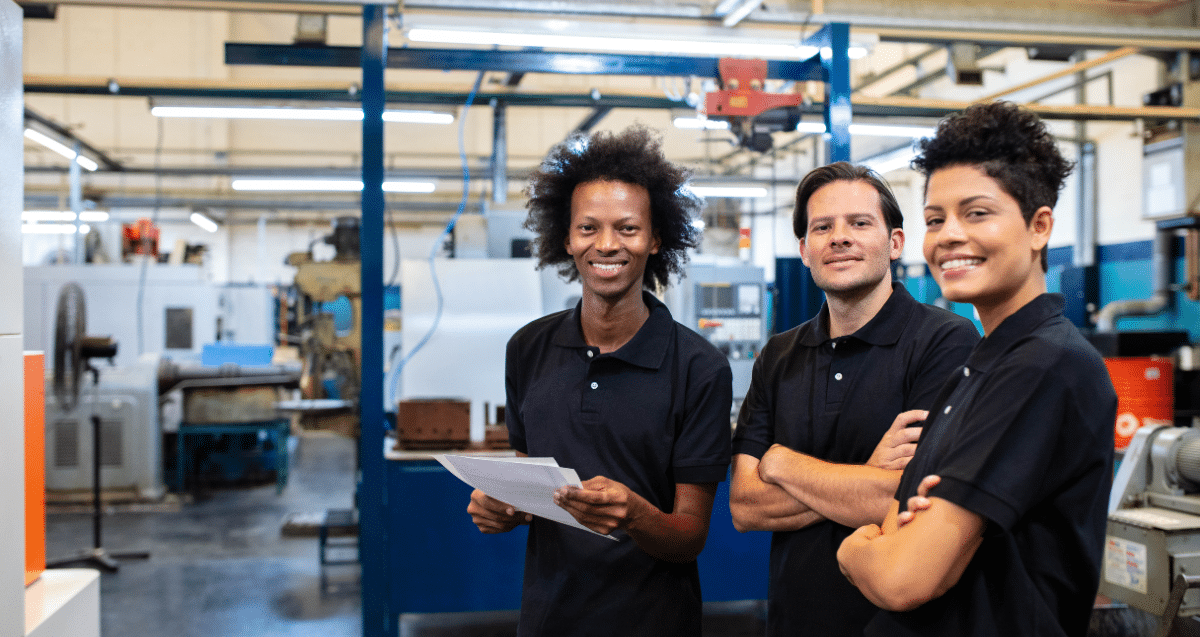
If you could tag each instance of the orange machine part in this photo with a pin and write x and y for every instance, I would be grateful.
(35, 466)
(1145, 394)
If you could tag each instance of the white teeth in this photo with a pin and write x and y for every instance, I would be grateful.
(961, 263)
(607, 267)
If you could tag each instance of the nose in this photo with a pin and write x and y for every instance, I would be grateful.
(606, 240)
(952, 231)
(840, 237)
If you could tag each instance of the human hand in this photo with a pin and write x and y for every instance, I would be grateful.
(494, 516)
(857, 540)
(602, 505)
(899, 443)
(772, 462)
(918, 502)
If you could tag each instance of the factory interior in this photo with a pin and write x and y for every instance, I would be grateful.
(268, 253)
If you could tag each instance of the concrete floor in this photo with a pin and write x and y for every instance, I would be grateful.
(220, 567)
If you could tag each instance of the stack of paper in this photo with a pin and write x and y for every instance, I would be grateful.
(527, 484)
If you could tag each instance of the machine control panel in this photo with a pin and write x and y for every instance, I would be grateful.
(730, 316)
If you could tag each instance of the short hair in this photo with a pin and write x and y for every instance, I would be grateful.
(843, 171)
(633, 156)
(1009, 144)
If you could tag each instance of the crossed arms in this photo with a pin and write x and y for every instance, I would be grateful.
(786, 490)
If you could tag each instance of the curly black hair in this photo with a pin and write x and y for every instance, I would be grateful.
(633, 156)
(1010, 144)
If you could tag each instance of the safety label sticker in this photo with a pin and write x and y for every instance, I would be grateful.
(1125, 564)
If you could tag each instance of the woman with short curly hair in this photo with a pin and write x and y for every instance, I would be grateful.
(999, 520)
(636, 403)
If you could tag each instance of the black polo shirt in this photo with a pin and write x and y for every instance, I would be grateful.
(650, 415)
(1023, 436)
(834, 399)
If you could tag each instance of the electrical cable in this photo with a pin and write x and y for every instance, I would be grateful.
(438, 242)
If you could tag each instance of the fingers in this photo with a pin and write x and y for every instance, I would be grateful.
(927, 483)
(904, 517)
(492, 515)
(906, 418)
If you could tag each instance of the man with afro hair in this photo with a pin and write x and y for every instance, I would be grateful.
(999, 520)
(636, 403)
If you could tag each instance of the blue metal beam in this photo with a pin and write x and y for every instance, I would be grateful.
(834, 41)
(562, 62)
(372, 486)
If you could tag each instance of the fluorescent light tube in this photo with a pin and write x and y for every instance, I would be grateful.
(53, 228)
(63, 215)
(733, 192)
(203, 222)
(333, 114)
(61, 149)
(706, 48)
(328, 185)
(894, 160)
(695, 123)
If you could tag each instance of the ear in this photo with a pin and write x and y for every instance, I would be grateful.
(656, 243)
(897, 250)
(804, 253)
(1040, 225)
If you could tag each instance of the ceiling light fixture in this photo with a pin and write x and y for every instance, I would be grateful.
(705, 48)
(328, 185)
(53, 228)
(61, 149)
(204, 222)
(333, 114)
(696, 123)
(63, 215)
(730, 192)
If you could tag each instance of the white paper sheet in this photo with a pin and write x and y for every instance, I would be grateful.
(528, 484)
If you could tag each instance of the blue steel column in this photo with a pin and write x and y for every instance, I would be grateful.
(837, 103)
(372, 488)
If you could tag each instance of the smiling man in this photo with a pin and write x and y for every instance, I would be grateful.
(819, 447)
(637, 404)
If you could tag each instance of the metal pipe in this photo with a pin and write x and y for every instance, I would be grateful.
(499, 151)
(1160, 271)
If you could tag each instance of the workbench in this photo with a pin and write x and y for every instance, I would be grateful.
(439, 561)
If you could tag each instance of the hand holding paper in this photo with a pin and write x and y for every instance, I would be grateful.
(526, 484)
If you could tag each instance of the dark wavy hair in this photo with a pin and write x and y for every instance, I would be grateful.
(818, 178)
(633, 156)
(1009, 144)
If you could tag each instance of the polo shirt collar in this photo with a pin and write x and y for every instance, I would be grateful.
(647, 348)
(884, 328)
(1017, 326)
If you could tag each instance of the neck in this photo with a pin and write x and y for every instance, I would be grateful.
(850, 311)
(991, 315)
(610, 323)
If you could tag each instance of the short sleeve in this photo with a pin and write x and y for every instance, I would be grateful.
(1004, 442)
(755, 431)
(946, 352)
(513, 392)
(702, 447)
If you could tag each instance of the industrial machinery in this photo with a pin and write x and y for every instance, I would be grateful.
(727, 304)
(753, 114)
(331, 353)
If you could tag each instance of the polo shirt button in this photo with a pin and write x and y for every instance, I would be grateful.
(837, 376)
(595, 385)
(834, 345)
(966, 372)
(946, 411)
(591, 353)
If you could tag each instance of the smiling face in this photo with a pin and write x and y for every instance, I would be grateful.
(978, 245)
(847, 246)
(611, 238)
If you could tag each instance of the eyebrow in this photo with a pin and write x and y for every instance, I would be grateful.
(962, 203)
(853, 216)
